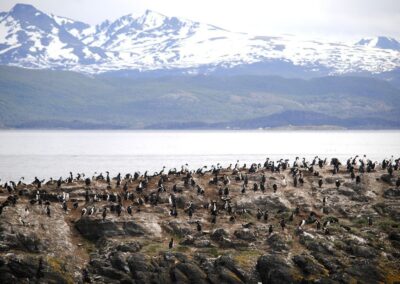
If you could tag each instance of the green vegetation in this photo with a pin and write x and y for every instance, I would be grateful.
(60, 99)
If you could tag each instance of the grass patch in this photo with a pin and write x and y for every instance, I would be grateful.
(246, 259)
(214, 252)
(153, 248)
(388, 225)
(58, 267)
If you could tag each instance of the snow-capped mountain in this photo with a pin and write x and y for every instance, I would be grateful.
(380, 42)
(31, 38)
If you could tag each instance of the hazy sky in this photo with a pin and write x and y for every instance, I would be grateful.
(341, 19)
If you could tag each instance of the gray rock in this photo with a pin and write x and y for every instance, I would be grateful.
(94, 229)
(202, 244)
(229, 271)
(245, 234)
(187, 241)
(362, 251)
(392, 193)
(178, 228)
(365, 272)
(192, 272)
(307, 265)
(386, 178)
(118, 262)
(129, 247)
(218, 234)
(274, 269)
(277, 242)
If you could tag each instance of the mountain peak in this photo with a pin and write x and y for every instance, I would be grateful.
(151, 19)
(23, 8)
(382, 42)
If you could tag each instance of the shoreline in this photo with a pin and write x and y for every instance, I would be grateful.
(131, 241)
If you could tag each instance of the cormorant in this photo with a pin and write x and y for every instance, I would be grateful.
(104, 214)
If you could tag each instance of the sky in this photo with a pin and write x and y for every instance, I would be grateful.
(334, 19)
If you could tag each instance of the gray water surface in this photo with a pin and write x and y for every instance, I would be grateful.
(46, 153)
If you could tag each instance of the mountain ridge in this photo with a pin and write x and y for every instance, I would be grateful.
(65, 99)
(155, 42)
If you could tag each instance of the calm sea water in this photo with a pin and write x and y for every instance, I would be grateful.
(55, 153)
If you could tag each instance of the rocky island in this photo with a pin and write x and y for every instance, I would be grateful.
(319, 221)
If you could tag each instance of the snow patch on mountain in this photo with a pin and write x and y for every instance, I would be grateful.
(152, 41)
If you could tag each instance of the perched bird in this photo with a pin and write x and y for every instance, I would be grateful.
(259, 214)
(318, 225)
(171, 243)
(283, 224)
(75, 205)
(104, 214)
(64, 206)
(198, 226)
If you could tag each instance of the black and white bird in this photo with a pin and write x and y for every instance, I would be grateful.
(64, 206)
(48, 212)
(129, 210)
(320, 182)
(172, 200)
(104, 214)
(92, 210)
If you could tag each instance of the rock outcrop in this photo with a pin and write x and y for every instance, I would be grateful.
(303, 234)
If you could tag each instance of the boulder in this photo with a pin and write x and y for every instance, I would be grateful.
(192, 272)
(277, 242)
(307, 265)
(187, 241)
(94, 229)
(365, 272)
(129, 247)
(229, 271)
(273, 269)
(118, 262)
(178, 228)
(392, 193)
(218, 234)
(23, 267)
(245, 234)
(362, 251)
(202, 244)
(386, 178)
